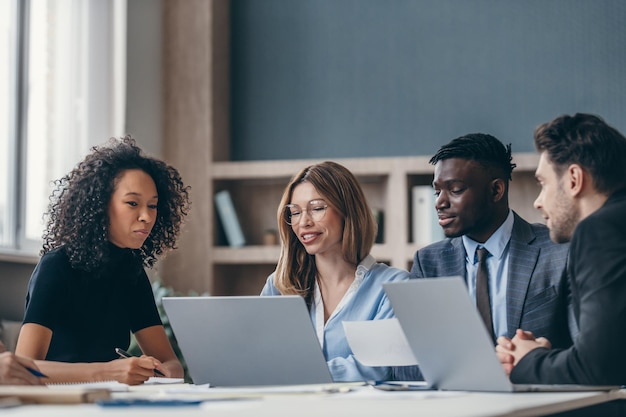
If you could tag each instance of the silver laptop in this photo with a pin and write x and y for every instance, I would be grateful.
(449, 340)
(247, 341)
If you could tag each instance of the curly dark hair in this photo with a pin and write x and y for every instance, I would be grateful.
(77, 216)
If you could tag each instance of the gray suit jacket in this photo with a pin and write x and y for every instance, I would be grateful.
(537, 287)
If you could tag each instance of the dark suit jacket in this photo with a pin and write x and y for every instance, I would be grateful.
(597, 276)
(537, 290)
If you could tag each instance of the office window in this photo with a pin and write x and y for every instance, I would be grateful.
(53, 137)
(58, 94)
(8, 96)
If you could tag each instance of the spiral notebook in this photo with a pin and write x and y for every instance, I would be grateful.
(115, 386)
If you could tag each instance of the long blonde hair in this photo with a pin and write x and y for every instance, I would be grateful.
(296, 271)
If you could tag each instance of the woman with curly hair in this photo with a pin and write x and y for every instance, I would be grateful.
(110, 217)
(327, 231)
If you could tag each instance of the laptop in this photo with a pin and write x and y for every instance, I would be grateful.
(248, 340)
(449, 340)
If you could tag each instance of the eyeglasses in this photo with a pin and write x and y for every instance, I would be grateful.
(315, 208)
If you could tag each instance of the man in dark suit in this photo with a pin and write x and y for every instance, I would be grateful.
(582, 173)
(525, 284)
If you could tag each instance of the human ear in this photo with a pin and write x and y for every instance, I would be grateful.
(575, 178)
(498, 188)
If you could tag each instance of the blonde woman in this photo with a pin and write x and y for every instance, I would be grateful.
(327, 231)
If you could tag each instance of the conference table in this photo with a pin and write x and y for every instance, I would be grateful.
(315, 401)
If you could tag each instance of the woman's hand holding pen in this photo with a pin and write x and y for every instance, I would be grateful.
(134, 370)
(123, 354)
(17, 370)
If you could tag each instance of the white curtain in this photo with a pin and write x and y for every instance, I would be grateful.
(75, 93)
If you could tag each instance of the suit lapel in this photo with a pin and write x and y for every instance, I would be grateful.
(522, 260)
(455, 262)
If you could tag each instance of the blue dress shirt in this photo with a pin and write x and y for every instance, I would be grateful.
(498, 266)
(365, 300)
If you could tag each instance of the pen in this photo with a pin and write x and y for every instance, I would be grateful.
(36, 372)
(143, 402)
(124, 354)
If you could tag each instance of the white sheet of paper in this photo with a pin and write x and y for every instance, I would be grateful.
(156, 380)
(379, 343)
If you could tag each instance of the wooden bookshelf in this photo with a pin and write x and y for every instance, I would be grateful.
(256, 188)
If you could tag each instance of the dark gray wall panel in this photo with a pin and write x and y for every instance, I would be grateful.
(352, 78)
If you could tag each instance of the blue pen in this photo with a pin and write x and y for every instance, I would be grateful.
(124, 354)
(36, 372)
(144, 402)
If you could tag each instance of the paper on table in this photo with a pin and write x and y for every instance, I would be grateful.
(159, 384)
(253, 392)
(379, 343)
(156, 380)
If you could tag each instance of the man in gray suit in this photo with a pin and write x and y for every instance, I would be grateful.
(525, 286)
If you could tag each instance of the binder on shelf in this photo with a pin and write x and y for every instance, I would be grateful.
(228, 217)
(426, 227)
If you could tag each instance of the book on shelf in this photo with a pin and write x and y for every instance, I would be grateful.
(426, 227)
(379, 217)
(228, 217)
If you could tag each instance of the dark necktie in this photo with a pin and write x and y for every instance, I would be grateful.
(482, 289)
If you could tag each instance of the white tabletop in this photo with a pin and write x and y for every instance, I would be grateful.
(362, 402)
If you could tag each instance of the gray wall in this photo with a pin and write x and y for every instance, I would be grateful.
(143, 83)
(14, 277)
(350, 78)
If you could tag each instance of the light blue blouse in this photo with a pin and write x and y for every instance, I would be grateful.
(365, 300)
